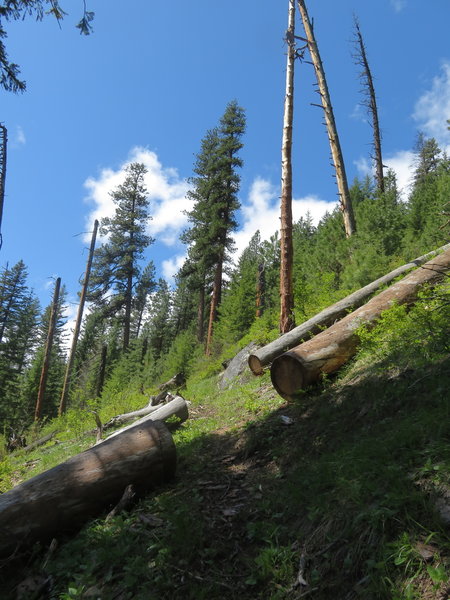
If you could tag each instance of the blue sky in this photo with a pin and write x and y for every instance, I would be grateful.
(156, 75)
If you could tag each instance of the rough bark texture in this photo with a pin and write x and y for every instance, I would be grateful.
(335, 146)
(76, 332)
(63, 498)
(263, 356)
(304, 364)
(48, 350)
(215, 301)
(286, 246)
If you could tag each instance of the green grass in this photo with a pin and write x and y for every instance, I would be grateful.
(344, 498)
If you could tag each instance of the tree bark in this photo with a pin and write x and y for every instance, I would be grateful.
(335, 146)
(263, 356)
(48, 350)
(366, 75)
(176, 407)
(101, 372)
(286, 245)
(215, 301)
(76, 333)
(303, 365)
(260, 290)
(65, 497)
(3, 152)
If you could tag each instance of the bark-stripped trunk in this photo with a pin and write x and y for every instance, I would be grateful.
(286, 245)
(215, 301)
(371, 104)
(101, 371)
(48, 350)
(263, 356)
(65, 497)
(336, 152)
(327, 352)
(3, 145)
(76, 332)
(260, 290)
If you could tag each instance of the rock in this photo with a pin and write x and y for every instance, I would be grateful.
(236, 366)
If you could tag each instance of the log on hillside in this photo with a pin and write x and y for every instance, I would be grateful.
(304, 364)
(126, 417)
(177, 407)
(265, 355)
(64, 498)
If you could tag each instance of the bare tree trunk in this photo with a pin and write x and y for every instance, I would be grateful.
(48, 350)
(3, 148)
(201, 312)
(76, 333)
(101, 372)
(260, 290)
(326, 317)
(371, 104)
(215, 301)
(336, 152)
(327, 352)
(286, 245)
(63, 498)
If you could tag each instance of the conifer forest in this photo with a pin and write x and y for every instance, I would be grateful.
(332, 483)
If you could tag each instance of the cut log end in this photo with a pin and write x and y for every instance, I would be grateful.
(255, 365)
(287, 375)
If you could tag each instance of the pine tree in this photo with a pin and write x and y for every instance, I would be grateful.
(55, 375)
(157, 329)
(116, 268)
(215, 188)
(19, 311)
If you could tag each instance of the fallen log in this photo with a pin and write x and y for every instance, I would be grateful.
(40, 442)
(124, 418)
(176, 407)
(62, 499)
(325, 353)
(265, 355)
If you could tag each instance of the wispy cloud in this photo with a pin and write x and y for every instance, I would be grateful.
(20, 136)
(166, 192)
(433, 108)
(398, 5)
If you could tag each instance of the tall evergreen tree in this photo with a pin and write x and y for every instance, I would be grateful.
(215, 188)
(116, 269)
(19, 311)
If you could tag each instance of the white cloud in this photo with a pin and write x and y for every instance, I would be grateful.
(363, 165)
(398, 5)
(20, 139)
(171, 266)
(402, 163)
(262, 211)
(433, 108)
(166, 192)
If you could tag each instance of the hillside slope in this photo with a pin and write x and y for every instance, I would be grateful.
(343, 494)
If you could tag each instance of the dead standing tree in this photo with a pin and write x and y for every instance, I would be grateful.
(370, 102)
(48, 350)
(3, 144)
(336, 152)
(76, 332)
(286, 246)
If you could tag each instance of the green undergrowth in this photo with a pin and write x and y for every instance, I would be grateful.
(344, 494)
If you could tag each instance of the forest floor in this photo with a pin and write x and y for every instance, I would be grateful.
(343, 494)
